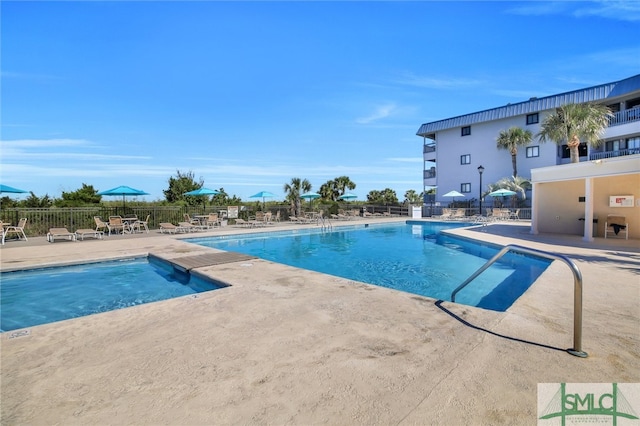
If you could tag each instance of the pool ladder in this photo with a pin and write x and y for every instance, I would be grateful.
(577, 288)
(325, 223)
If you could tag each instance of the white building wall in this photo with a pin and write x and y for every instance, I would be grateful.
(481, 145)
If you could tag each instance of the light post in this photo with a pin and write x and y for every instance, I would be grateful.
(480, 170)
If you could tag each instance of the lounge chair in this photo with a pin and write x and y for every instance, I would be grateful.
(515, 215)
(17, 229)
(446, 214)
(243, 223)
(60, 234)
(459, 214)
(82, 233)
(189, 227)
(170, 228)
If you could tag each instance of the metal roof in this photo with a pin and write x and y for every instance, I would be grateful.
(533, 105)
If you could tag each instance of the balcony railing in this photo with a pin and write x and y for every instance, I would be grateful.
(625, 116)
(429, 174)
(429, 148)
(611, 154)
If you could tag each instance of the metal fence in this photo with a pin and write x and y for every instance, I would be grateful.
(40, 220)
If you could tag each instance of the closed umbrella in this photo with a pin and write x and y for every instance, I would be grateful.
(11, 190)
(124, 191)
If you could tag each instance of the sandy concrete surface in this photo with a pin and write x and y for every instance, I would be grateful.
(288, 346)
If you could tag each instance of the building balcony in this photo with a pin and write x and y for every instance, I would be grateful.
(625, 116)
(611, 154)
(430, 174)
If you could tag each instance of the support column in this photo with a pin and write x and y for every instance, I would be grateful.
(534, 208)
(588, 209)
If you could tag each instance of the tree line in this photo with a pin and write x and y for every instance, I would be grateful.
(183, 182)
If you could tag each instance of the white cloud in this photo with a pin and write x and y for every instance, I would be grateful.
(407, 159)
(381, 112)
(622, 10)
(430, 82)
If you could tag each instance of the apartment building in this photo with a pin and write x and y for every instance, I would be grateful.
(455, 147)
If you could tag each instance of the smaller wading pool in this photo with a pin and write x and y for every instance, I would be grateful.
(42, 296)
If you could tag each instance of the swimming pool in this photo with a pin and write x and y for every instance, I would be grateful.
(414, 257)
(41, 296)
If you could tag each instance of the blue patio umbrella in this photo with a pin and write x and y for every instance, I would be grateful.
(124, 191)
(263, 195)
(502, 193)
(11, 190)
(347, 196)
(202, 191)
(310, 195)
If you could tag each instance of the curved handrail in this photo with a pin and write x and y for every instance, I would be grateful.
(577, 288)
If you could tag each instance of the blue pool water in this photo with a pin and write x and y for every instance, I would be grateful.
(41, 296)
(413, 257)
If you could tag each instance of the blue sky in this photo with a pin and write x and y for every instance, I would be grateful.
(248, 95)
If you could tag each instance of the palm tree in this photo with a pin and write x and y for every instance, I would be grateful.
(572, 122)
(343, 183)
(293, 191)
(511, 139)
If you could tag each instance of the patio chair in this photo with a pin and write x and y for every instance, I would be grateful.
(139, 224)
(213, 220)
(60, 233)
(101, 225)
(515, 215)
(117, 225)
(17, 229)
(189, 219)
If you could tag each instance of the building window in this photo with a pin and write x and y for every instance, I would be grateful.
(465, 188)
(533, 151)
(633, 143)
(533, 118)
(616, 145)
(566, 152)
(465, 131)
(465, 159)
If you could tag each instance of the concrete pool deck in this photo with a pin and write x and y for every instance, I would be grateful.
(288, 346)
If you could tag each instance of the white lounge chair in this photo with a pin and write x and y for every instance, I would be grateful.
(170, 228)
(82, 233)
(60, 233)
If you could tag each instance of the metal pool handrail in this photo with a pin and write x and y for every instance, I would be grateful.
(577, 288)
